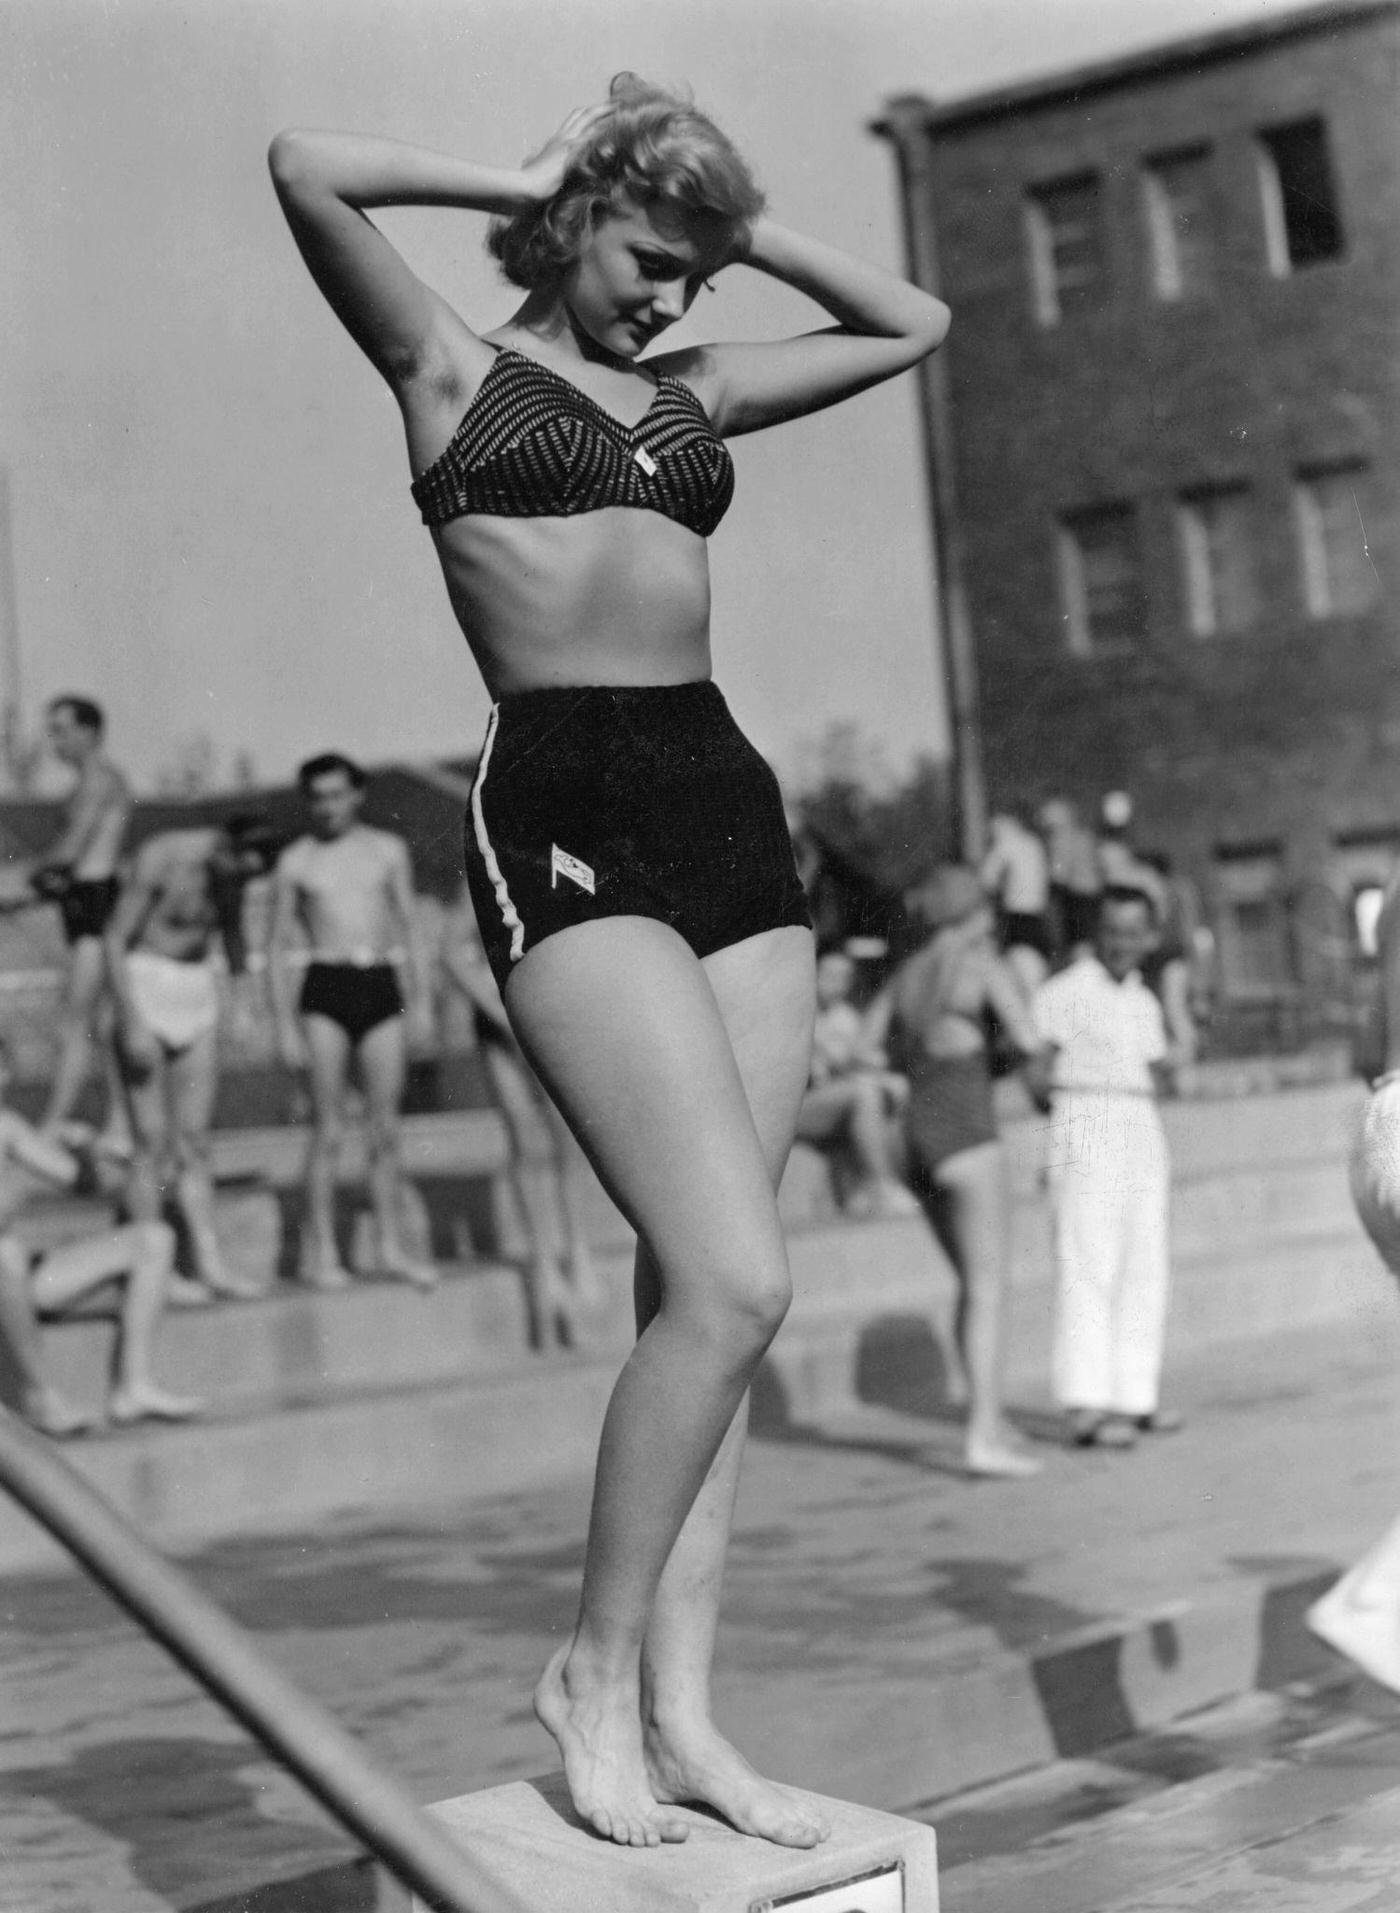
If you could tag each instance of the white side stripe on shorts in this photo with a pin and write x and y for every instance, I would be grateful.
(510, 916)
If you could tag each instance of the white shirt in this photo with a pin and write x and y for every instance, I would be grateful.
(1107, 1035)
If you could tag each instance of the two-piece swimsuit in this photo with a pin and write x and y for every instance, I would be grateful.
(594, 801)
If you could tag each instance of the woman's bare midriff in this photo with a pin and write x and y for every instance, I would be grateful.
(618, 596)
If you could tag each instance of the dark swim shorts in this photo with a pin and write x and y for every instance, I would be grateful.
(86, 906)
(359, 997)
(949, 1110)
(608, 801)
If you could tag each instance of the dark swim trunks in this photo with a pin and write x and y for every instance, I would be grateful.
(86, 906)
(1029, 930)
(1078, 914)
(949, 1110)
(606, 801)
(359, 997)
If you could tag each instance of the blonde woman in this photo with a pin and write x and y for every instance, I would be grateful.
(627, 854)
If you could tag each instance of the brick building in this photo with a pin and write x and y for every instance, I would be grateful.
(1173, 422)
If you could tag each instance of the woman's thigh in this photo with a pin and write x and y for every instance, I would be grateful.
(766, 991)
(972, 1205)
(676, 1077)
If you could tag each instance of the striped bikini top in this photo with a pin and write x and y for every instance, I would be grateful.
(532, 444)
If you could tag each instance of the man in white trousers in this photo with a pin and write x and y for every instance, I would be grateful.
(1360, 1615)
(1108, 1172)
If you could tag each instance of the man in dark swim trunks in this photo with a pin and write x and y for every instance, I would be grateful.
(79, 874)
(348, 889)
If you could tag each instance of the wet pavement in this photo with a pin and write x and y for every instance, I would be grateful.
(1282, 1803)
(875, 1595)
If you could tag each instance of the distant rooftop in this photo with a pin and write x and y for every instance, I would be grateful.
(1172, 56)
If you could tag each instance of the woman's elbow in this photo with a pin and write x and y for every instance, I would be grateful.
(289, 159)
(932, 328)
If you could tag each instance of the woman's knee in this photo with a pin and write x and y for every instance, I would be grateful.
(741, 1305)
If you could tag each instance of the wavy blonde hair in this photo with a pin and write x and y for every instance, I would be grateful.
(654, 148)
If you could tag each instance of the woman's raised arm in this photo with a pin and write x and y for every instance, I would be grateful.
(326, 180)
(884, 325)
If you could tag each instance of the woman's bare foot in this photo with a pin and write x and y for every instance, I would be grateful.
(699, 1764)
(599, 1737)
(149, 1403)
(997, 1455)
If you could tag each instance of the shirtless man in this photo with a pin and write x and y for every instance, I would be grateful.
(348, 890)
(185, 889)
(79, 875)
(128, 1266)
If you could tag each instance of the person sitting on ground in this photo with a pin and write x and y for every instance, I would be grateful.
(348, 890)
(185, 892)
(560, 1275)
(931, 1015)
(1016, 875)
(124, 1270)
(852, 1095)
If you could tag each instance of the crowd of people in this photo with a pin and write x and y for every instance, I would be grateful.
(157, 945)
(1068, 954)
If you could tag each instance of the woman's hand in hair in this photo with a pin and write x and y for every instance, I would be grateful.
(545, 173)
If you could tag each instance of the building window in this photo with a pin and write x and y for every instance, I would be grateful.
(1253, 924)
(1178, 225)
(1065, 228)
(1101, 586)
(1338, 575)
(1217, 560)
(1302, 223)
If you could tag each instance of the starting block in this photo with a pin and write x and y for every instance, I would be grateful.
(529, 1839)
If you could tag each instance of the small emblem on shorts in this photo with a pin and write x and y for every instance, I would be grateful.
(561, 864)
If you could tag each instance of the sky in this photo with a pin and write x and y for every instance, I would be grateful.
(210, 523)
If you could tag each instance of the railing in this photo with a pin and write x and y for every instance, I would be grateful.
(302, 1735)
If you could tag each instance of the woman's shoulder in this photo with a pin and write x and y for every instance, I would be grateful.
(698, 367)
